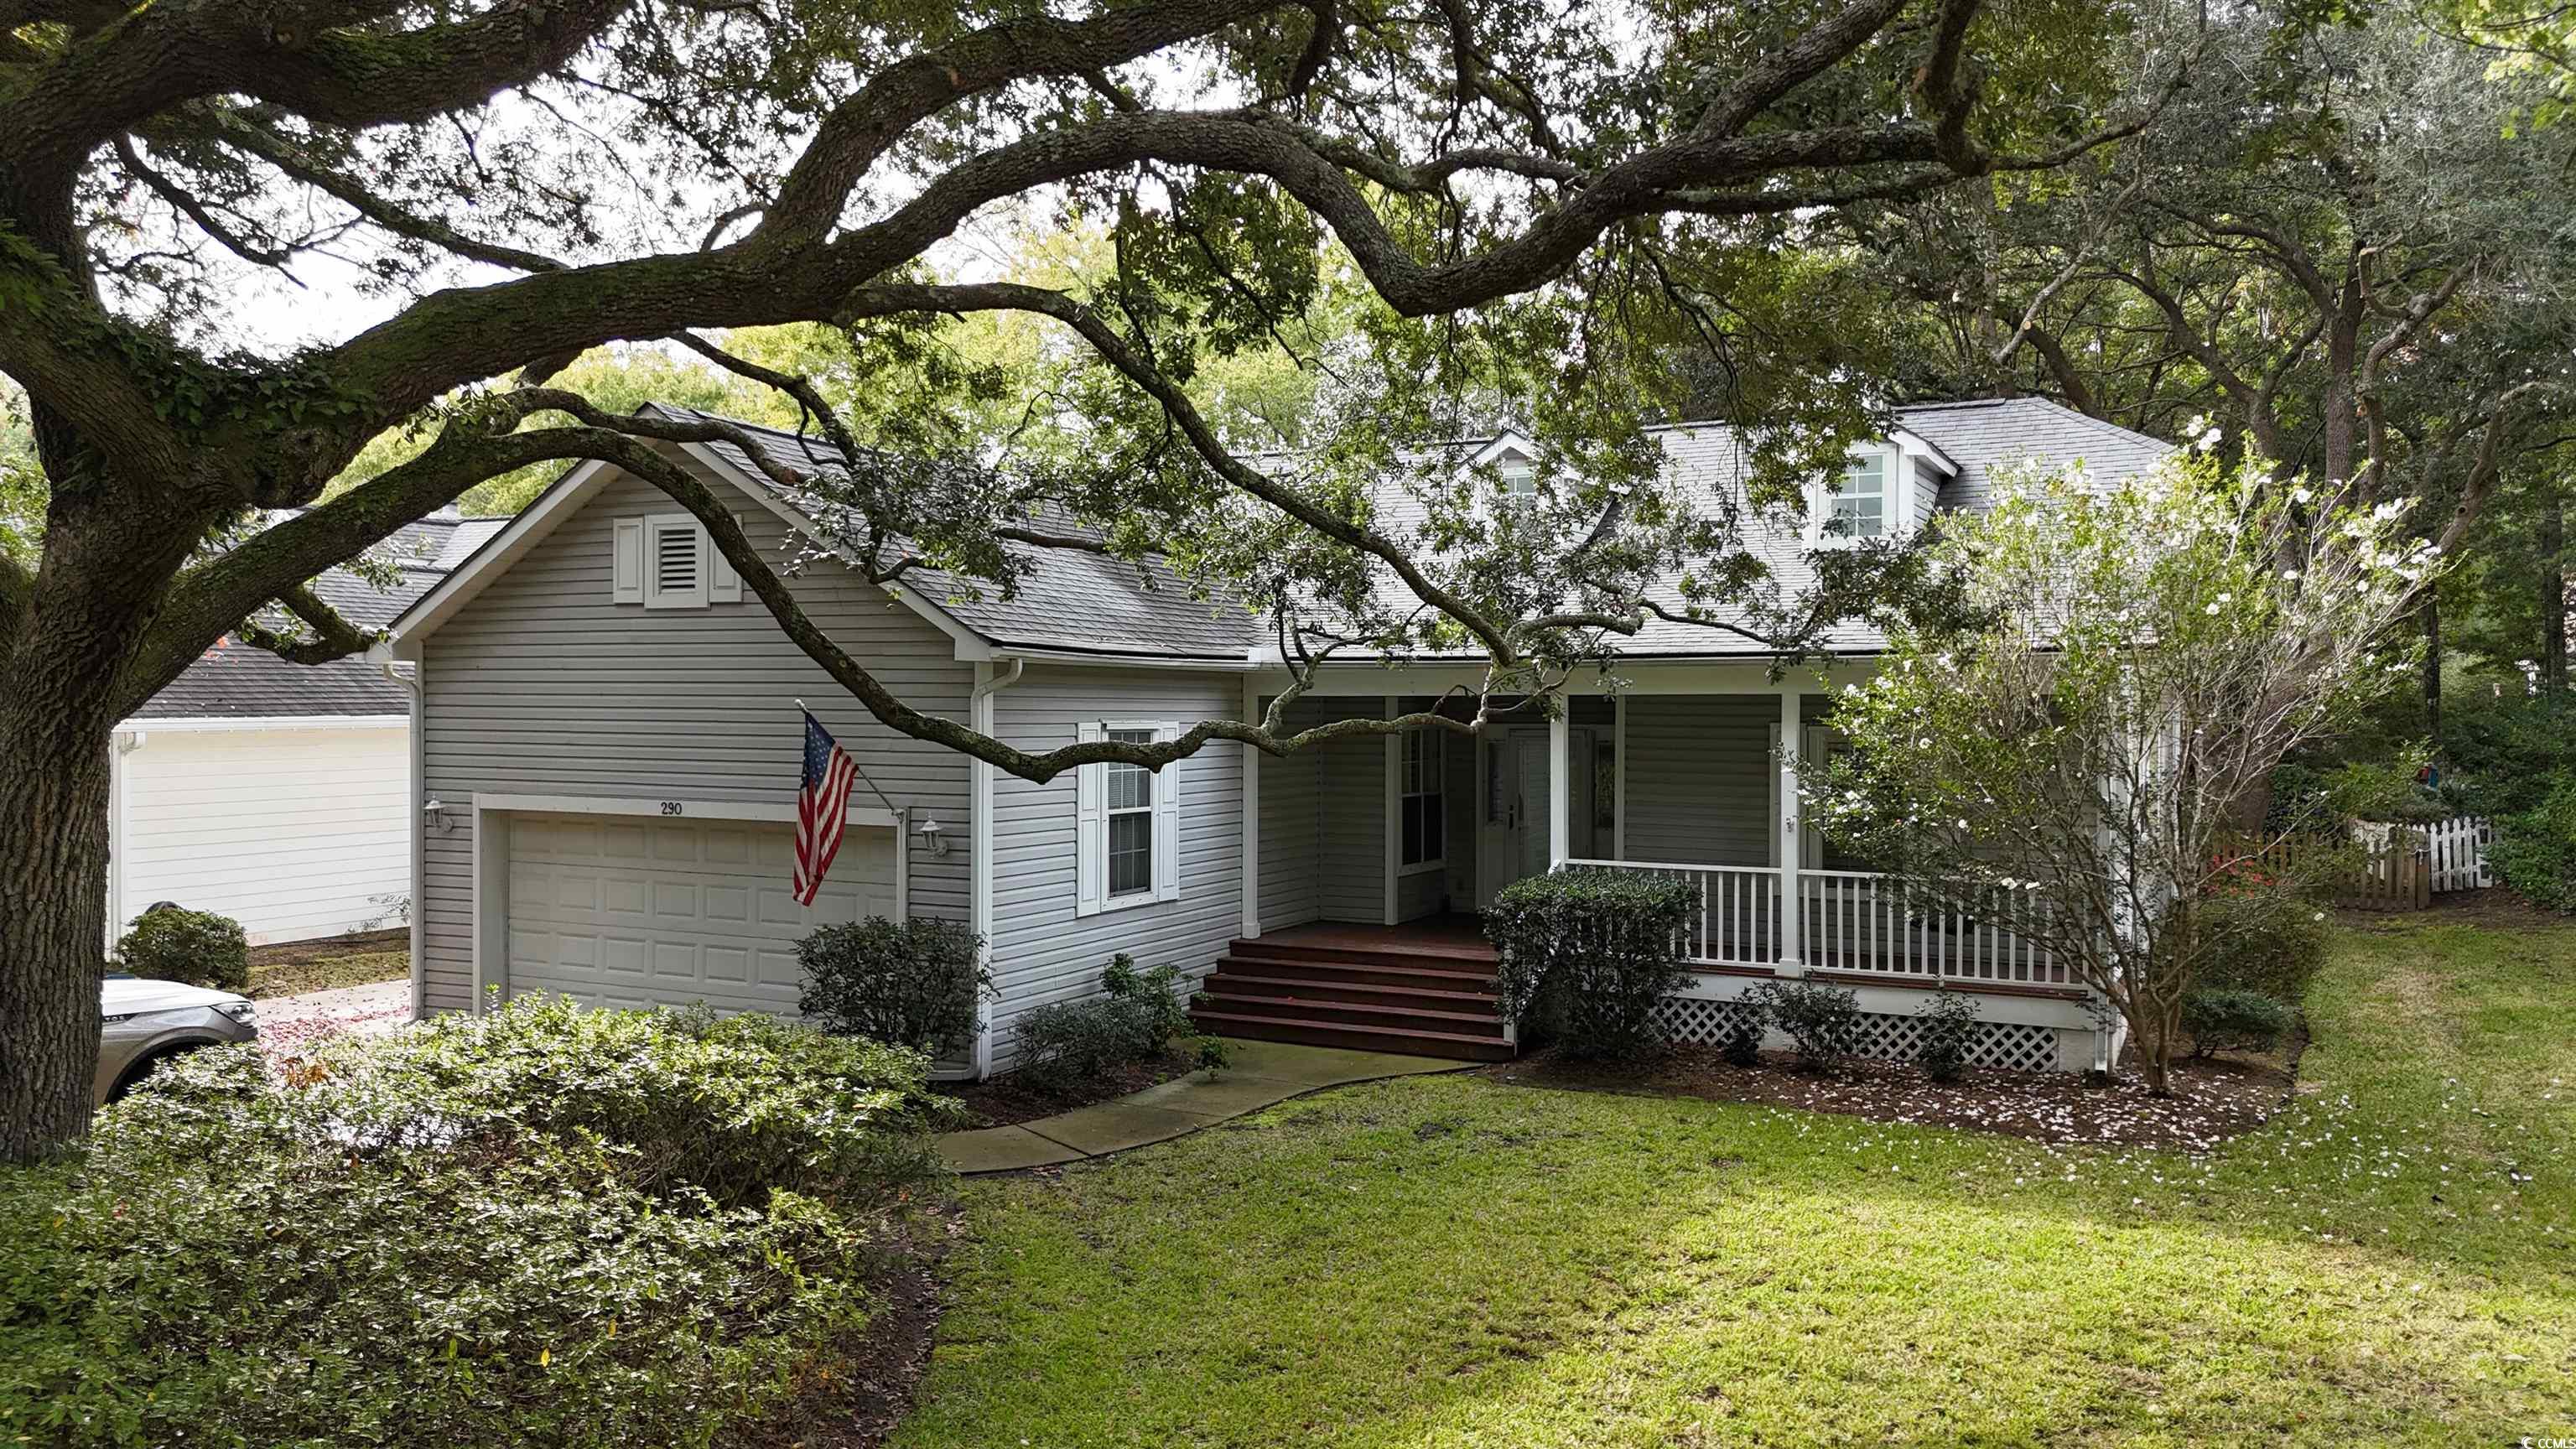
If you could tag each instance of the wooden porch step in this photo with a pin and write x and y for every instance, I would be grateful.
(1421, 976)
(1457, 1046)
(1249, 978)
(1352, 1013)
(1445, 955)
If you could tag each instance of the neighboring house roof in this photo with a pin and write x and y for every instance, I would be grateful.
(243, 681)
(1091, 604)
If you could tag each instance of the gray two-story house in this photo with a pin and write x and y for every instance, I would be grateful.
(607, 740)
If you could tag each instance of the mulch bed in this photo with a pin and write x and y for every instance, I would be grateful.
(855, 1399)
(2214, 1100)
(1007, 1101)
(290, 968)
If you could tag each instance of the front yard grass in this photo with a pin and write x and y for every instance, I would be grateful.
(1457, 1261)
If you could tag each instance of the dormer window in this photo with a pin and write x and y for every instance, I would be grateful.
(1862, 500)
(1518, 474)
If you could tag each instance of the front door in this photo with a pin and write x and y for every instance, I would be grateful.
(1511, 840)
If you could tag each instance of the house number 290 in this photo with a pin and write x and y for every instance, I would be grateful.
(670, 807)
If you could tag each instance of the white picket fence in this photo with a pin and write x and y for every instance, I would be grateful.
(2458, 851)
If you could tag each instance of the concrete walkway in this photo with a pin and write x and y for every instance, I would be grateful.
(1263, 1072)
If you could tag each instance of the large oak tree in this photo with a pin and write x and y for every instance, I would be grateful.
(1542, 199)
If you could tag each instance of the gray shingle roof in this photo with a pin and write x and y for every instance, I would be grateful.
(240, 681)
(1082, 602)
(1093, 604)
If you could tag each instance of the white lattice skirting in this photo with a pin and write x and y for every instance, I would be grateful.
(1896, 1038)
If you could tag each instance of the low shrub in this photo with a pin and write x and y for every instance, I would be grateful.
(1592, 952)
(2233, 1021)
(913, 983)
(2267, 941)
(2534, 851)
(1949, 1034)
(1064, 1044)
(1213, 1053)
(730, 1107)
(1743, 1046)
(1823, 1021)
(172, 943)
(592, 1230)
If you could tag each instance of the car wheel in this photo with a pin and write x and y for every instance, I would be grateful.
(137, 1073)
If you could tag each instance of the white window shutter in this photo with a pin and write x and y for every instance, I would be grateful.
(1167, 821)
(724, 586)
(626, 562)
(1091, 827)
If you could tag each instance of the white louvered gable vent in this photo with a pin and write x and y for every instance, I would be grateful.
(666, 561)
(675, 562)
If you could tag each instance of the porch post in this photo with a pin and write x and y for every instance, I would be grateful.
(1619, 777)
(1251, 924)
(1560, 784)
(1390, 809)
(1792, 743)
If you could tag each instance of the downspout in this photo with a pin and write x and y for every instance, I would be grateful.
(123, 743)
(981, 712)
(411, 685)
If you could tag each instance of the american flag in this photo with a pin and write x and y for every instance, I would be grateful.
(821, 808)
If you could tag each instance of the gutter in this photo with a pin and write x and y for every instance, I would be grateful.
(981, 710)
(381, 655)
(125, 740)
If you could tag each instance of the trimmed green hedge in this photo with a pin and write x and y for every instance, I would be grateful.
(918, 982)
(543, 1226)
(197, 947)
(1587, 952)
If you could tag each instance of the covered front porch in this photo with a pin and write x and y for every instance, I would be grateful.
(1680, 773)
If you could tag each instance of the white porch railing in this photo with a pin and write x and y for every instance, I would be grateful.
(1738, 922)
(1854, 921)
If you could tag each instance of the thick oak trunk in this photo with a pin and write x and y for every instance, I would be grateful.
(53, 916)
(104, 575)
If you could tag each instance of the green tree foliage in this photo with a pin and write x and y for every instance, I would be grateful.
(2334, 246)
(2068, 763)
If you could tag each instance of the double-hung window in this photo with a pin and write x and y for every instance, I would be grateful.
(1862, 503)
(1128, 823)
(1130, 839)
(1422, 821)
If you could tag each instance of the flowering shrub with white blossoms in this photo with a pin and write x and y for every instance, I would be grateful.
(2138, 660)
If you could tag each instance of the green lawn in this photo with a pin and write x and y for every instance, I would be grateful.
(1452, 1261)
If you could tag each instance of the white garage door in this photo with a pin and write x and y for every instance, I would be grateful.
(626, 911)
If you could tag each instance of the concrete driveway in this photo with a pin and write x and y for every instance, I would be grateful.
(291, 1024)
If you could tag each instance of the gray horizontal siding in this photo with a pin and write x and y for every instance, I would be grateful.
(1699, 790)
(1043, 949)
(541, 685)
(1291, 818)
(1350, 785)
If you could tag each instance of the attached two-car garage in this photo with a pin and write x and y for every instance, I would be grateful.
(641, 910)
